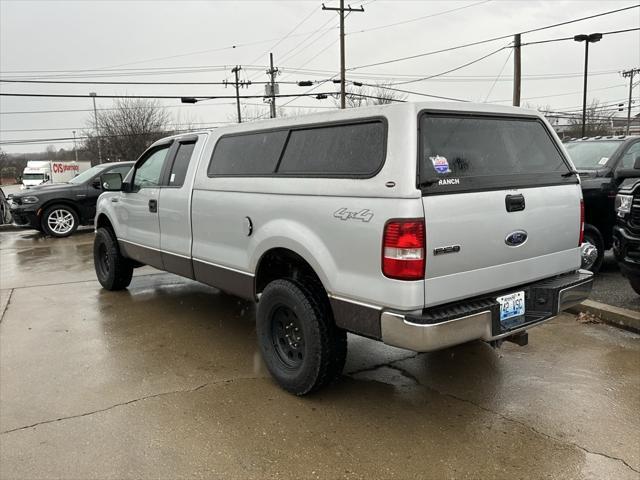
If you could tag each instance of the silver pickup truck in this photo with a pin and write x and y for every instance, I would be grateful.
(422, 225)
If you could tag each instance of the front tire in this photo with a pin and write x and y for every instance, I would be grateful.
(300, 344)
(114, 271)
(59, 221)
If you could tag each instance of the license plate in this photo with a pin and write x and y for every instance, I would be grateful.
(511, 305)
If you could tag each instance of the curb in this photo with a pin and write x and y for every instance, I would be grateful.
(616, 316)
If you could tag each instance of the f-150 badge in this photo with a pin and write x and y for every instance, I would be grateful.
(363, 215)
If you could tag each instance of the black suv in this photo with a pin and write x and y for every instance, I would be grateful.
(59, 208)
(626, 233)
(603, 164)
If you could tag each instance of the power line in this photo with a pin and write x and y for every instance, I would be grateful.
(560, 94)
(26, 112)
(62, 129)
(75, 82)
(174, 97)
(270, 49)
(493, 39)
(452, 69)
(498, 76)
(439, 97)
(563, 39)
(71, 139)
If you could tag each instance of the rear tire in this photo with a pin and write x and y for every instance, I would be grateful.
(300, 344)
(114, 271)
(594, 237)
(59, 221)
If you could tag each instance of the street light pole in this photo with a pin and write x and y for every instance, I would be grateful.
(75, 148)
(95, 125)
(591, 38)
(630, 74)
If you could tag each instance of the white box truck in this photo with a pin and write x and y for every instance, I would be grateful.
(38, 172)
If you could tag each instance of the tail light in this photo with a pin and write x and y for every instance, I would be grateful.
(403, 250)
(581, 222)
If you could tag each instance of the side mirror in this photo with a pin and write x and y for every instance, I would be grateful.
(96, 184)
(111, 182)
(636, 162)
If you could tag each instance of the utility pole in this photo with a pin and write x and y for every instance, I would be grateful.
(237, 85)
(271, 89)
(75, 148)
(630, 74)
(95, 120)
(587, 39)
(341, 9)
(517, 70)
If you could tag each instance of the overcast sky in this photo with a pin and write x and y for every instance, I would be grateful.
(38, 37)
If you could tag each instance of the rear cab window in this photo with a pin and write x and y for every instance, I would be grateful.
(592, 155)
(355, 149)
(467, 152)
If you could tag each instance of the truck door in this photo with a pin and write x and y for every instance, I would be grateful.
(138, 208)
(175, 198)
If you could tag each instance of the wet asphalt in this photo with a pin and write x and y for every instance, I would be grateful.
(612, 288)
(163, 380)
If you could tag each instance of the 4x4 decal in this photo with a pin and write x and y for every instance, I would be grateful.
(363, 215)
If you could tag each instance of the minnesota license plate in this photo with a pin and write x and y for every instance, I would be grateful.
(511, 305)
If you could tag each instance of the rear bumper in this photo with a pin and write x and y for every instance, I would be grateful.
(478, 319)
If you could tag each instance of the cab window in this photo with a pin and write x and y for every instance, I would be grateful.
(149, 173)
(181, 164)
(628, 158)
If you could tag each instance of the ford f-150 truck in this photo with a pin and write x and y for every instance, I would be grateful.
(420, 225)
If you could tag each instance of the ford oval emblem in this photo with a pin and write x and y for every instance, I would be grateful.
(517, 238)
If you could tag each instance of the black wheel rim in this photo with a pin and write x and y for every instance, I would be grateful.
(103, 260)
(287, 337)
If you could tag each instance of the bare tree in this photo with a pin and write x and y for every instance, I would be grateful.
(128, 129)
(598, 121)
(381, 94)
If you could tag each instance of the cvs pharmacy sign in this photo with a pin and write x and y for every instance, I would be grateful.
(65, 167)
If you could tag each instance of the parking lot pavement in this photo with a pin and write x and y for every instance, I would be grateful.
(163, 380)
(612, 288)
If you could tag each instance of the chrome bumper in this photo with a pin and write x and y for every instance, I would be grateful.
(397, 330)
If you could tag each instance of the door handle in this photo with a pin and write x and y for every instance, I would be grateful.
(114, 200)
(514, 203)
(153, 206)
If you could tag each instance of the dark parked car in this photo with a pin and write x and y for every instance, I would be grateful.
(626, 233)
(603, 163)
(5, 215)
(58, 209)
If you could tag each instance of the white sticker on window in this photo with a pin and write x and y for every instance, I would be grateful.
(603, 160)
(173, 178)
